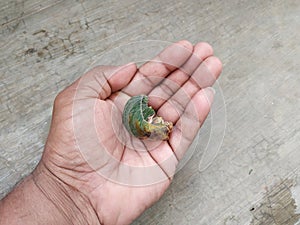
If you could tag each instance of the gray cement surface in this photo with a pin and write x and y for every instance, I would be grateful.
(254, 178)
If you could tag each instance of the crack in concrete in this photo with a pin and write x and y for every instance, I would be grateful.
(277, 207)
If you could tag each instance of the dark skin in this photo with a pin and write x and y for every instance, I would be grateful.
(81, 181)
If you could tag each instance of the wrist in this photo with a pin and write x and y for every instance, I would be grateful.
(26, 204)
(73, 206)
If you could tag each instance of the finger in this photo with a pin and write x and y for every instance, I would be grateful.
(165, 159)
(175, 80)
(102, 81)
(151, 73)
(204, 76)
(208, 72)
(191, 120)
(120, 99)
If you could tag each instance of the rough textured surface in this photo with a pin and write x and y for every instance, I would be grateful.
(277, 206)
(45, 45)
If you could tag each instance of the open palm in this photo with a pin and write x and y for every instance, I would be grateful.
(89, 149)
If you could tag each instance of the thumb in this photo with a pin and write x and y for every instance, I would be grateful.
(102, 81)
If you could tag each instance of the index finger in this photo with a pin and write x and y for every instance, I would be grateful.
(153, 72)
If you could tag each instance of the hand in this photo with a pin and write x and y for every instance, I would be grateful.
(88, 151)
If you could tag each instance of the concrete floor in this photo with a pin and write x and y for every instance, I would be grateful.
(254, 178)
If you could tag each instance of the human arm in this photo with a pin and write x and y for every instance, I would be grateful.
(91, 171)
